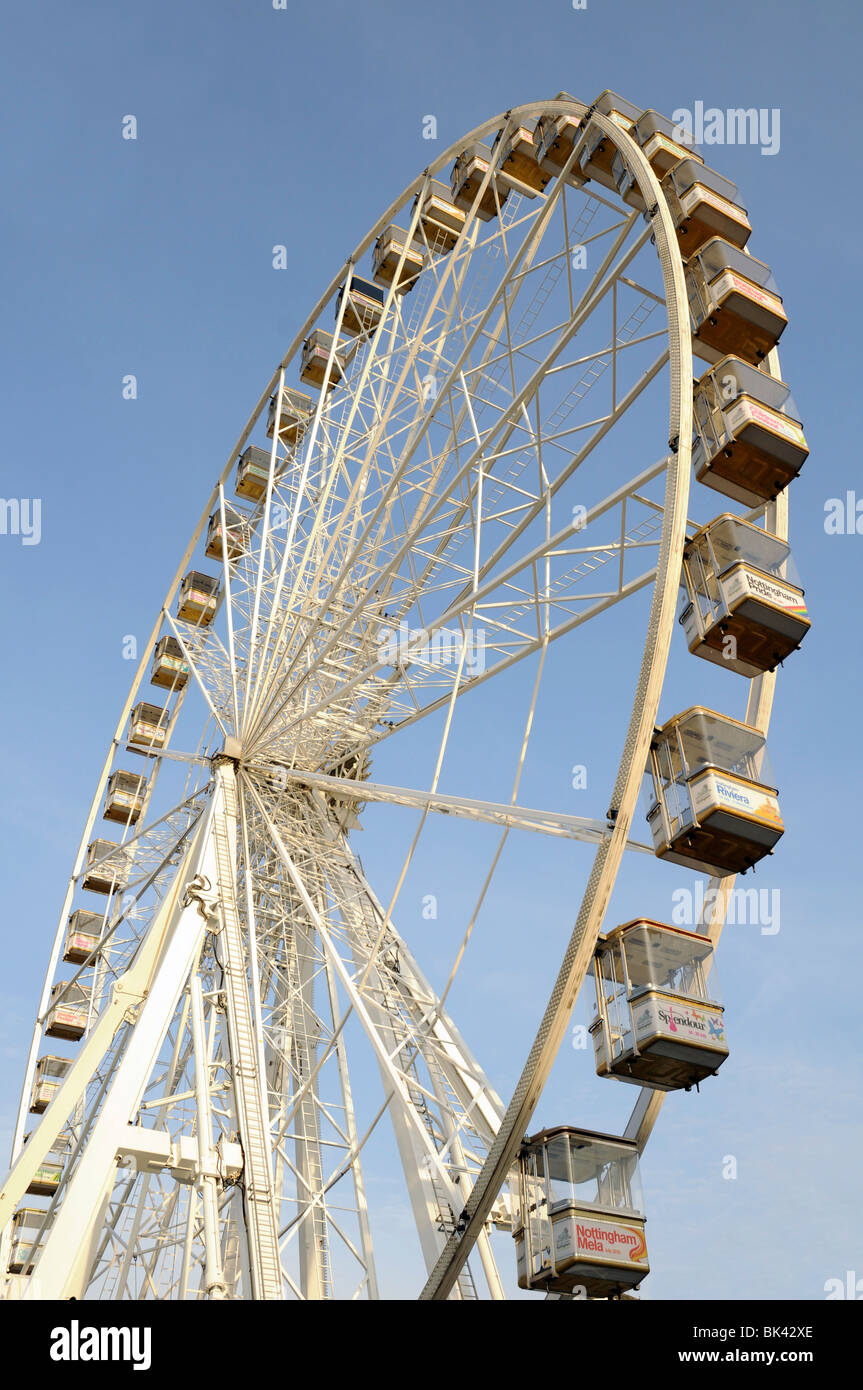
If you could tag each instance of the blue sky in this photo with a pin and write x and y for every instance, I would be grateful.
(259, 127)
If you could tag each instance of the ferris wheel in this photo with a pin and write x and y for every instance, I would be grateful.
(476, 454)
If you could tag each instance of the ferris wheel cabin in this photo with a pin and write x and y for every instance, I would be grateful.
(170, 668)
(235, 535)
(105, 867)
(253, 472)
(50, 1072)
(297, 410)
(46, 1179)
(148, 728)
(750, 442)
(555, 138)
(315, 361)
(364, 307)
(659, 139)
(467, 174)
(653, 133)
(83, 934)
(198, 600)
(579, 1221)
(734, 303)
(124, 797)
(395, 260)
(67, 1012)
(713, 808)
(597, 152)
(27, 1222)
(703, 205)
(744, 607)
(520, 168)
(658, 1018)
(442, 222)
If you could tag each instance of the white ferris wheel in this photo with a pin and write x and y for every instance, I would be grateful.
(477, 453)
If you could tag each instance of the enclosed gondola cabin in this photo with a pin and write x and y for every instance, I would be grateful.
(235, 535)
(555, 138)
(598, 151)
(744, 607)
(658, 1018)
(198, 599)
(27, 1222)
(579, 1222)
(713, 805)
(253, 471)
(364, 307)
(315, 364)
(46, 1179)
(733, 302)
(67, 1012)
(467, 177)
(663, 142)
(397, 261)
(105, 867)
(148, 729)
(750, 442)
(519, 166)
(124, 797)
(170, 670)
(655, 135)
(703, 205)
(50, 1072)
(83, 933)
(296, 412)
(441, 221)
(625, 182)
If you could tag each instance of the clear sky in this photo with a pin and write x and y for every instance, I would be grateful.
(259, 127)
